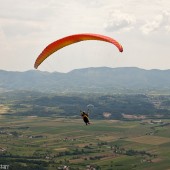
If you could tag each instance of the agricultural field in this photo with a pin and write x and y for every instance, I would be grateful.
(35, 143)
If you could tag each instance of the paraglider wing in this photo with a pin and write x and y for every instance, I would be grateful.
(90, 108)
(90, 105)
(56, 45)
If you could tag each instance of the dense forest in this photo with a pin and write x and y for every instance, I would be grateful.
(25, 103)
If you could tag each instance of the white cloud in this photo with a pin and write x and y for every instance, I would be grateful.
(119, 21)
(160, 23)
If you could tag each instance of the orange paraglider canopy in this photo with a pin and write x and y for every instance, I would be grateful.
(60, 43)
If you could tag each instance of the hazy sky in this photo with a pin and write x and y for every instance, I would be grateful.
(141, 26)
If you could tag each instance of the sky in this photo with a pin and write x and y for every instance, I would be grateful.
(28, 26)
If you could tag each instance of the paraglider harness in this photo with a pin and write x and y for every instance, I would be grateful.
(85, 117)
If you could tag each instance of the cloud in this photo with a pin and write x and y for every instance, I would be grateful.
(119, 21)
(160, 23)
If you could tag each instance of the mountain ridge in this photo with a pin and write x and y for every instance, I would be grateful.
(92, 79)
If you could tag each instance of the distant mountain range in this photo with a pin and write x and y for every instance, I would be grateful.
(102, 79)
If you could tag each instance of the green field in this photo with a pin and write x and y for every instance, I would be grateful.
(32, 142)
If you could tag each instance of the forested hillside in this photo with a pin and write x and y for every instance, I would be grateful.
(24, 103)
(98, 80)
